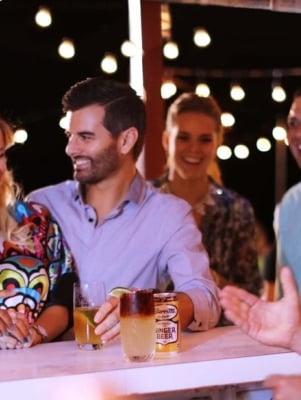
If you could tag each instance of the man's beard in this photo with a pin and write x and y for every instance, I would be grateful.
(102, 166)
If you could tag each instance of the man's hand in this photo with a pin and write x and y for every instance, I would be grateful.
(108, 319)
(274, 323)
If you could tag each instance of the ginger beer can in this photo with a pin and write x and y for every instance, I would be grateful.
(168, 329)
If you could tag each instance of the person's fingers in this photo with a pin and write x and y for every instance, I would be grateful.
(20, 334)
(233, 293)
(288, 283)
(19, 327)
(112, 333)
(5, 321)
(271, 381)
(233, 306)
(8, 342)
(106, 308)
(108, 318)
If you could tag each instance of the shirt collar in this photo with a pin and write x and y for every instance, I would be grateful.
(135, 194)
(137, 190)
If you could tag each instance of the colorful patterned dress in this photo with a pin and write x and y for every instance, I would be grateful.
(40, 272)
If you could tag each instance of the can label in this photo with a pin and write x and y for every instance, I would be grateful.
(167, 322)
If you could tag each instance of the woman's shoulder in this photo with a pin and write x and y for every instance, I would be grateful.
(230, 198)
(30, 210)
(226, 193)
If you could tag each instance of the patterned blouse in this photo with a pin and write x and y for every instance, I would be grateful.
(40, 272)
(229, 236)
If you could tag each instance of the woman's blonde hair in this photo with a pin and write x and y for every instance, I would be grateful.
(9, 190)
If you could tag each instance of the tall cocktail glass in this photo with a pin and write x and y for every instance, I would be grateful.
(137, 325)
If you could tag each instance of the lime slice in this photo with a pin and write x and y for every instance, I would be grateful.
(83, 315)
(118, 291)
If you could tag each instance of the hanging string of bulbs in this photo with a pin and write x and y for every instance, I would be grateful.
(170, 50)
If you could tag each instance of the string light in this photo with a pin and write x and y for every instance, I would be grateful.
(20, 136)
(128, 48)
(201, 37)
(227, 119)
(168, 89)
(202, 90)
(236, 92)
(109, 63)
(171, 50)
(43, 17)
(278, 93)
(241, 151)
(224, 152)
(279, 133)
(263, 144)
(66, 49)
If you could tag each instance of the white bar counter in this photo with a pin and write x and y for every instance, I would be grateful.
(219, 357)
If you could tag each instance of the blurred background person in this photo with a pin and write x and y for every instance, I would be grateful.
(226, 219)
(36, 267)
(287, 221)
(266, 257)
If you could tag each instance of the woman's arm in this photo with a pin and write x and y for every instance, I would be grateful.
(50, 324)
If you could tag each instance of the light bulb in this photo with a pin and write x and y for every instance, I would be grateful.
(168, 89)
(279, 133)
(227, 119)
(171, 50)
(224, 152)
(43, 17)
(278, 94)
(128, 49)
(237, 93)
(109, 64)
(201, 37)
(20, 136)
(202, 90)
(66, 49)
(241, 151)
(263, 144)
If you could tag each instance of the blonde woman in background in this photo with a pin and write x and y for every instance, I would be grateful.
(226, 219)
(36, 267)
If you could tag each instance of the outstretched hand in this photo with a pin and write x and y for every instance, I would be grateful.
(273, 323)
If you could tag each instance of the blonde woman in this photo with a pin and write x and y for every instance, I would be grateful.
(36, 267)
(225, 218)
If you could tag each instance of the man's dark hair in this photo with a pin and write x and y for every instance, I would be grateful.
(123, 107)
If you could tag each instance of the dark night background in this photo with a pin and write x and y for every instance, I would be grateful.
(33, 79)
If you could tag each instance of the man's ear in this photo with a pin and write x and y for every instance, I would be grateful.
(165, 140)
(127, 140)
